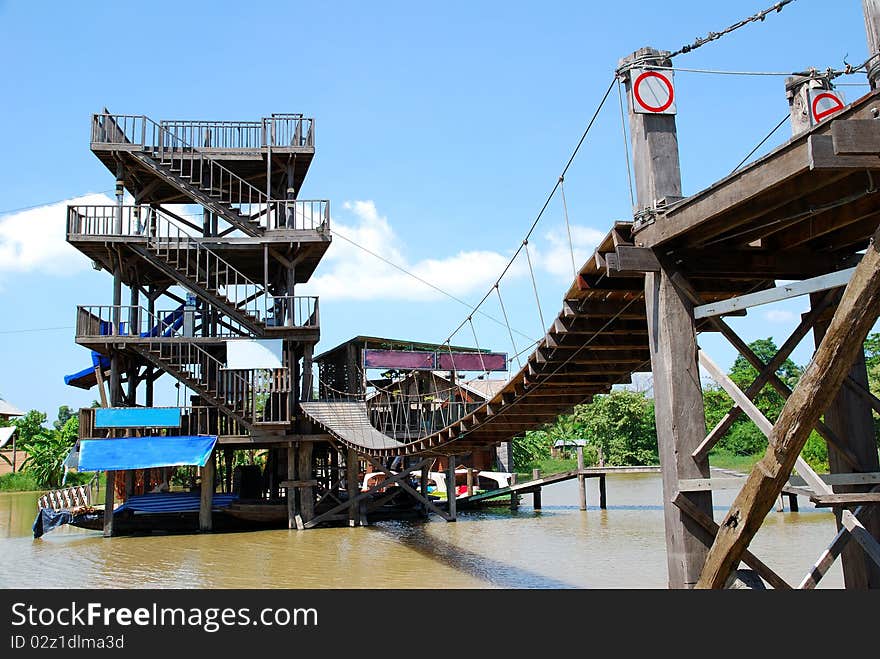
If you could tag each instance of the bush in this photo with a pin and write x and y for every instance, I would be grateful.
(815, 452)
(18, 482)
(744, 438)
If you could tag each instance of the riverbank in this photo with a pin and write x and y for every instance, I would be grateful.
(717, 458)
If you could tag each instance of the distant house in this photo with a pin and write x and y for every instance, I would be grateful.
(7, 410)
(10, 458)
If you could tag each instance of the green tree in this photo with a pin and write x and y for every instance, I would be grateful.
(47, 451)
(64, 413)
(30, 428)
(622, 424)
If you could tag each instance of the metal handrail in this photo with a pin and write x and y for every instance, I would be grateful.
(197, 262)
(280, 130)
(240, 391)
(96, 321)
(168, 148)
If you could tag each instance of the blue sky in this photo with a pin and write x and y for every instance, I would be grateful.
(440, 130)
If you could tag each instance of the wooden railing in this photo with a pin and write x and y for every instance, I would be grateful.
(66, 498)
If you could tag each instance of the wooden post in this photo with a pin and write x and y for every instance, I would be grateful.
(351, 482)
(850, 418)
(603, 499)
(109, 500)
(792, 503)
(423, 484)
(582, 481)
(872, 28)
(470, 481)
(678, 397)
(291, 491)
(536, 495)
(206, 499)
(14, 451)
(514, 497)
(450, 488)
(307, 492)
(816, 389)
(655, 143)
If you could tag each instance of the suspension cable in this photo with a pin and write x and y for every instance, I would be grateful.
(713, 36)
(574, 272)
(535, 286)
(761, 143)
(629, 178)
(504, 312)
(544, 207)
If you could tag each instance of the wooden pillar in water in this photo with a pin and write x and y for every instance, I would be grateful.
(292, 512)
(115, 358)
(450, 489)
(423, 484)
(470, 481)
(514, 497)
(603, 498)
(536, 495)
(582, 481)
(351, 482)
(678, 396)
(306, 473)
(206, 499)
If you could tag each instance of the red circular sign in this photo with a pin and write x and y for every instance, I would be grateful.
(641, 101)
(836, 107)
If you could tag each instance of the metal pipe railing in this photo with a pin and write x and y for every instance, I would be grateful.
(195, 261)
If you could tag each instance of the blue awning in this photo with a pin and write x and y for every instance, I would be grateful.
(144, 452)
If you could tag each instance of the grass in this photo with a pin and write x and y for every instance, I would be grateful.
(18, 482)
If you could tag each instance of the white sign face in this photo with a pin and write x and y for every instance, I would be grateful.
(253, 353)
(824, 103)
(653, 91)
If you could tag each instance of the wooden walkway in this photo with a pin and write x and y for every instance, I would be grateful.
(535, 485)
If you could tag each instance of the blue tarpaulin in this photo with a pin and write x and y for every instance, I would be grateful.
(137, 417)
(144, 452)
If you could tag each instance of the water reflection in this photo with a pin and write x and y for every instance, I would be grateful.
(558, 547)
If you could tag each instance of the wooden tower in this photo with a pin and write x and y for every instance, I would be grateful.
(215, 213)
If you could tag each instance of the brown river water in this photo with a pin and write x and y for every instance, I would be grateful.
(558, 547)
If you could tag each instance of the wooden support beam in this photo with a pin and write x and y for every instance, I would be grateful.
(849, 416)
(680, 421)
(819, 384)
(359, 496)
(206, 497)
(305, 474)
(765, 374)
(687, 289)
(536, 495)
(582, 483)
(422, 498)
(450, 489)
(292, 511)
(352, 486)
(748, 557)
(603, 497)
(813, 285)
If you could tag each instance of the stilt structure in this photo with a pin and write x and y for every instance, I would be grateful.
(235, 335)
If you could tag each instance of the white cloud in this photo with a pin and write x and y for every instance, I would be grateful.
(351, 273)
(556, 258)
(780, 316)
(34, 240)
